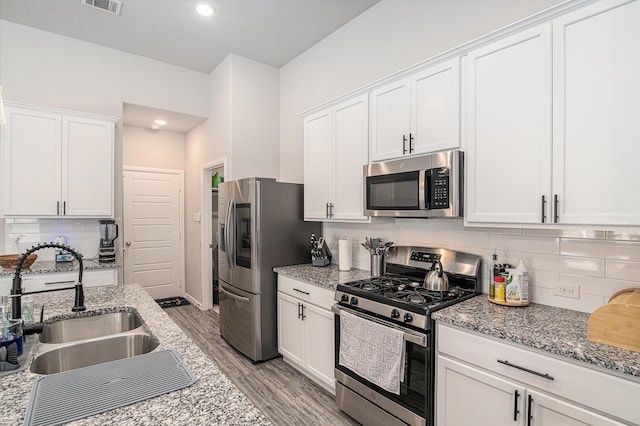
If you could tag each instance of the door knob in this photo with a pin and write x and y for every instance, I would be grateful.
(128, 243)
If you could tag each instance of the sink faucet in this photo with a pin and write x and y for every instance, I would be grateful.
(17, 290)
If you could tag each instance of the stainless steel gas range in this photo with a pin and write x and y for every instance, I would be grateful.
(399, 301)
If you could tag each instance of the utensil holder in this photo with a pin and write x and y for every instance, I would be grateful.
(377, 265)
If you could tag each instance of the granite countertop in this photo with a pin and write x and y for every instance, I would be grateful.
(47, 267)
(212, 399)
(557, 331)
(328, 276)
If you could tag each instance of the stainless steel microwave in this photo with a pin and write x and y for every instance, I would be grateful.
(423, 186)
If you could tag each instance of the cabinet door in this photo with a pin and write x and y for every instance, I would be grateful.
(31, 162)
(596, 105)
(390, 121)
(351, 155)
(318, 165)
(488, 399)
(435, 108)
(545, 410)
(319, 344)
(87, 167)
(508, 128)
(290, 328)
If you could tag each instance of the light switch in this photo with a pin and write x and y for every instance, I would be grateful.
(196, 217)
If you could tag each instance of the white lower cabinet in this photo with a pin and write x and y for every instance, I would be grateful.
(305, 329)
(503, 384)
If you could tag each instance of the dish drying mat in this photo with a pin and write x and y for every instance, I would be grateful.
(71, 395)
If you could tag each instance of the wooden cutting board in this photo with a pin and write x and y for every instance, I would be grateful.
(618, 322)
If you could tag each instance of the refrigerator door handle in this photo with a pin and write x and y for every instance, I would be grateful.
(229, 233)
(233, 296)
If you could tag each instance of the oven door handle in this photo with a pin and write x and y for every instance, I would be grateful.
(409, 335)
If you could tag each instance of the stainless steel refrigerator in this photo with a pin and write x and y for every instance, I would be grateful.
(261, 226)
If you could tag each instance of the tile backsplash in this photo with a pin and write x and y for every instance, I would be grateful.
(19, 235)
(599, 262)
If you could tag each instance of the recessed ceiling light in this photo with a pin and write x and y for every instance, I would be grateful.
(160, 122)
(204, 9)
(155, 127)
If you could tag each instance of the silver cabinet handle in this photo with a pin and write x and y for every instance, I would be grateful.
(555, 208)
(544, 204)
(60, 282)
(404, 144)
(300, 291)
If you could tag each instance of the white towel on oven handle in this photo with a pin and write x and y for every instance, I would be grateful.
(373, 351)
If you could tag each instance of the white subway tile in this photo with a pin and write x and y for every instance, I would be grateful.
(618, 250)
(630, 235)
(565, 233)
(620, 270)
(524, 244)
(592, 267)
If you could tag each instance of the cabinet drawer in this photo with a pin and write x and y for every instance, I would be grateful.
(570, 381)
(39, 282)
(307, 292)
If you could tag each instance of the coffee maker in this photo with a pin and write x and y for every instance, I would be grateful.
(108, 233)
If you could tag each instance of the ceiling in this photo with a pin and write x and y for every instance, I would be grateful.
(269, 31)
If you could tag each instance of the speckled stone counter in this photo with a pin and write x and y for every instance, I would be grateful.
(213, 399)
(50, 267)
(327, 277)
(561, 332)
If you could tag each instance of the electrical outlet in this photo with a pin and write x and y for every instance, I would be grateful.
(567, 290)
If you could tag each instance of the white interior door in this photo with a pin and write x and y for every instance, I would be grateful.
(153, 226)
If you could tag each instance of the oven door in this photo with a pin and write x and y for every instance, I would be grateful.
(414, 403)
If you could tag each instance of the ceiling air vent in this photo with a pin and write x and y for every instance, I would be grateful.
(111, 6)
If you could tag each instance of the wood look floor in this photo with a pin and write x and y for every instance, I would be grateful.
(284, 395)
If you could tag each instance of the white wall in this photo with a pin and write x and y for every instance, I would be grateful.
(43, 68)
(243, 128)
(395, 34)
(254, 119)
(163, 149)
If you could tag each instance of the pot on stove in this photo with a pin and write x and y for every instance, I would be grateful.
(436, 279)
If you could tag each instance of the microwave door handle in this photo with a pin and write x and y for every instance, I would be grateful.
(422, 187)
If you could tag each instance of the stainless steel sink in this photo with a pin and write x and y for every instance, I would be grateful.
(91, 339)
(74, 329)
(90, 352)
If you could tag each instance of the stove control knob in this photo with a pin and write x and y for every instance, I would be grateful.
(353, 301)
(395, 313)
(344, 298)
(408, 317)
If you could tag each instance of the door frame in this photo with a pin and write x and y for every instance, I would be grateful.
(205, 229)
(181, 245)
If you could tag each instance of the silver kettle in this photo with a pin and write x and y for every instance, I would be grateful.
(436, 279)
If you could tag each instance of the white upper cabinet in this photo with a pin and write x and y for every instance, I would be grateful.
(508, 128)
(57, 164)
(335, 153)
(418, 114)
(551, 127)
(597, 114)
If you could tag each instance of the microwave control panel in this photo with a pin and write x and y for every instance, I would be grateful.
(438, 195)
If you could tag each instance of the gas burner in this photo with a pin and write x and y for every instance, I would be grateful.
(415, 299)
(369, 286)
